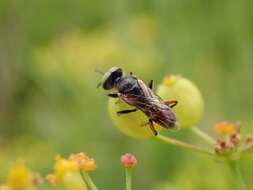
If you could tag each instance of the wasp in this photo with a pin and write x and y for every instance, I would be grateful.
(136, 93)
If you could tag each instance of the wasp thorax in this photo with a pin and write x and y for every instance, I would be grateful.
(127, 84)
(110, 77)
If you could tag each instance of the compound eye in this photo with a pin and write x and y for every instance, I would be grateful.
(110, 77)
(108, 85)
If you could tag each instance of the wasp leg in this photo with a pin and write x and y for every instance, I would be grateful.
(171, 103)
(151, 84)
(151, 125)
(126, 111)
(113, 95)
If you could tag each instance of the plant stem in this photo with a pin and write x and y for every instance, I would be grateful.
(181, 144)
(89, 181)
(128, 178)
(202, 135)
(237, 173)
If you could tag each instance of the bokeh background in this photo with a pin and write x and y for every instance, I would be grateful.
(49, 102)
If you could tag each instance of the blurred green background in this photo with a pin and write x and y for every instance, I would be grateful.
(49, 102)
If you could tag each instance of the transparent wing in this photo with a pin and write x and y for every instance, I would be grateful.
(146, 101)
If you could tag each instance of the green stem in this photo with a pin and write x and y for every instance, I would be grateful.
(237, 173)
(202, 135)
(89, 181)
(128, 178)
(181, 144)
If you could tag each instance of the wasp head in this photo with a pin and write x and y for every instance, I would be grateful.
(111, 77)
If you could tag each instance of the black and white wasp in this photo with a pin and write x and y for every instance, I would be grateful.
(136, 93)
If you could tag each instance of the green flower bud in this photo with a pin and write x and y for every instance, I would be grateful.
(133, 124)
(189, 109)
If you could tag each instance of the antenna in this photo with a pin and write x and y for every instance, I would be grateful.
(99, 84)
(99, 72)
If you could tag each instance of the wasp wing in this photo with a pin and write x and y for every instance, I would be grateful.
(135, 100)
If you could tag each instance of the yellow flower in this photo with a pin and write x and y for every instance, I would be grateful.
(19, 177)
(53, 180)
(84, 161)
(190, 107)
(89, 165)
(62, 166)
(67, 171)
(227, 128)
(79, 158)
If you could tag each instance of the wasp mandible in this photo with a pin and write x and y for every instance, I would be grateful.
(136, 93)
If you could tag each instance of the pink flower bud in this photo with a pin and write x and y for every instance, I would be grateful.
(128, 160)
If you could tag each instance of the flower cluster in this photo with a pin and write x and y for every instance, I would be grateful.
(73, 172)
(83, 161)
(227, 128)
(21, 177)
(66, 169)
(230, 144)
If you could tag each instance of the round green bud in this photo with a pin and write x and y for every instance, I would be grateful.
(189, 109)
(134, 124)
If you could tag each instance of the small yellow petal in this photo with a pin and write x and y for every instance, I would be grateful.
(53, 180)
(79, 158)
(63, 166)
(226, 128)
(19, 177)
(90, 165)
